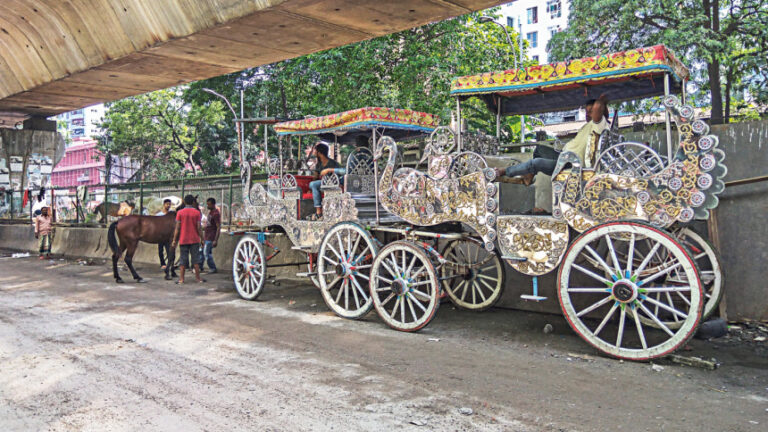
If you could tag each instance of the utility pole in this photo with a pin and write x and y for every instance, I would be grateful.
(522, 117)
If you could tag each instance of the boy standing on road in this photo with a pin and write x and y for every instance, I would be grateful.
(188, 235)
(212, 231)
(44, 232)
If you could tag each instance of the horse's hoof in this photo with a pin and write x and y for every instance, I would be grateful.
(140, 280)
(118, 281)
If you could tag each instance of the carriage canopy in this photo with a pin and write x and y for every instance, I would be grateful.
(344, 127)
(626, 75)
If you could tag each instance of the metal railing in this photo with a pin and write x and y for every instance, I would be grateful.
(144, 197)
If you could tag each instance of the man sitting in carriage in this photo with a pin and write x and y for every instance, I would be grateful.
(597, 115)
(325, 166)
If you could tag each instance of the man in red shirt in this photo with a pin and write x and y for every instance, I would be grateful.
(211, 237)
(188, 235)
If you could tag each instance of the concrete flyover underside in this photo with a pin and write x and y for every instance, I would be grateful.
(61, 55)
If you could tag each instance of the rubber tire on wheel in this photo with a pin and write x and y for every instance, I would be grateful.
(407, 265)
(487, 284)
(629, 287)
(346, 244)
(249, 253)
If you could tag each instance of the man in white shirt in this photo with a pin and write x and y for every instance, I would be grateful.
(597, 113)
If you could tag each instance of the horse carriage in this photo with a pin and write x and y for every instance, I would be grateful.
(617, 232)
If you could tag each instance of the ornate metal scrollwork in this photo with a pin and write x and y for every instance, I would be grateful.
(359, 177)
(629, 159)
(330, 182)
(466, 163)
(480, 143)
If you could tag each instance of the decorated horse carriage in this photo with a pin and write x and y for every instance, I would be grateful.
(340, 247)
(400, 239)
(631, 262)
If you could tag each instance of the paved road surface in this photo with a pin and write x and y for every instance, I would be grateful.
(81, 353)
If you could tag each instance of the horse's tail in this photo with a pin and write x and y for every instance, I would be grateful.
(111, 238)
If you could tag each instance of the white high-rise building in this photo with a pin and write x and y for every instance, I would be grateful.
(82, 123)
(537, 21)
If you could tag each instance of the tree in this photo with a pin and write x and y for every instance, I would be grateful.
(722, 34)
(410, 69)
(162, 131)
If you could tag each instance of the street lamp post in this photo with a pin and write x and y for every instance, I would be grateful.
(487, 19)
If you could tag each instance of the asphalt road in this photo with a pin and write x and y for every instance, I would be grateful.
(81, 353)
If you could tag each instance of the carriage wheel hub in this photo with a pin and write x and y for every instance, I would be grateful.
(471, 274)
(343, 269)
(399, 286)
(624, 291)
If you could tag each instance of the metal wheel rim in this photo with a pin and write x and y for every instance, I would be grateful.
(402, 262)
(249, 268)
(483, 286)
(349, 247)
(610, 302)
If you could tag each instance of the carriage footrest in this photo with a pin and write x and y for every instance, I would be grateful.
(514, 258)
(532, 297)
(535, 296)
(301, 248)
(306, 274)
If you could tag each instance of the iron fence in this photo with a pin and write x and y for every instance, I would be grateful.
(86, 205)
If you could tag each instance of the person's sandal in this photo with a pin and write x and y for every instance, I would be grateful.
(315, 217)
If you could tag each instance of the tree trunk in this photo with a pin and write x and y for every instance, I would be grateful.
(712, 9)
(728, 87)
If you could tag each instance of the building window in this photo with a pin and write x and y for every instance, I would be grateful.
(533, 15)
(510, 22)
(533, 39)
(536, 59)
(554, 8)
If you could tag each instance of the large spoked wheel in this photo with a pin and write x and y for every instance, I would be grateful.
(249, 268)
(710, 272)
(608, 297)
(343, 269)
(404, 286)
(710, 268)
(473, 278)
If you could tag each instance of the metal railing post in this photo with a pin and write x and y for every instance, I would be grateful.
(141, 194)
(230, 202)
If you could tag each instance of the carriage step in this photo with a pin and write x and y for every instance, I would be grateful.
(535, 296)
(306, 274)
(514, 258)
(301, 248)
(532, 297)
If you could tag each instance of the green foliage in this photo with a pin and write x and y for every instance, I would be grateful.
(724, 42)
(410, 69)
(171, 129)
(162, 131)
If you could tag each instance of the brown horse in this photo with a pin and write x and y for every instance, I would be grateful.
(133, 229)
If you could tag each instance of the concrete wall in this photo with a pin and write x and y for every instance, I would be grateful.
(92, 243)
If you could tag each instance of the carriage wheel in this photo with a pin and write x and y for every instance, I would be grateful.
(249, 268)
(343, 269)
(473, 278)
(710, 272)
(312, 268)
(404, 286)
(710, 269)
(609, 312)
